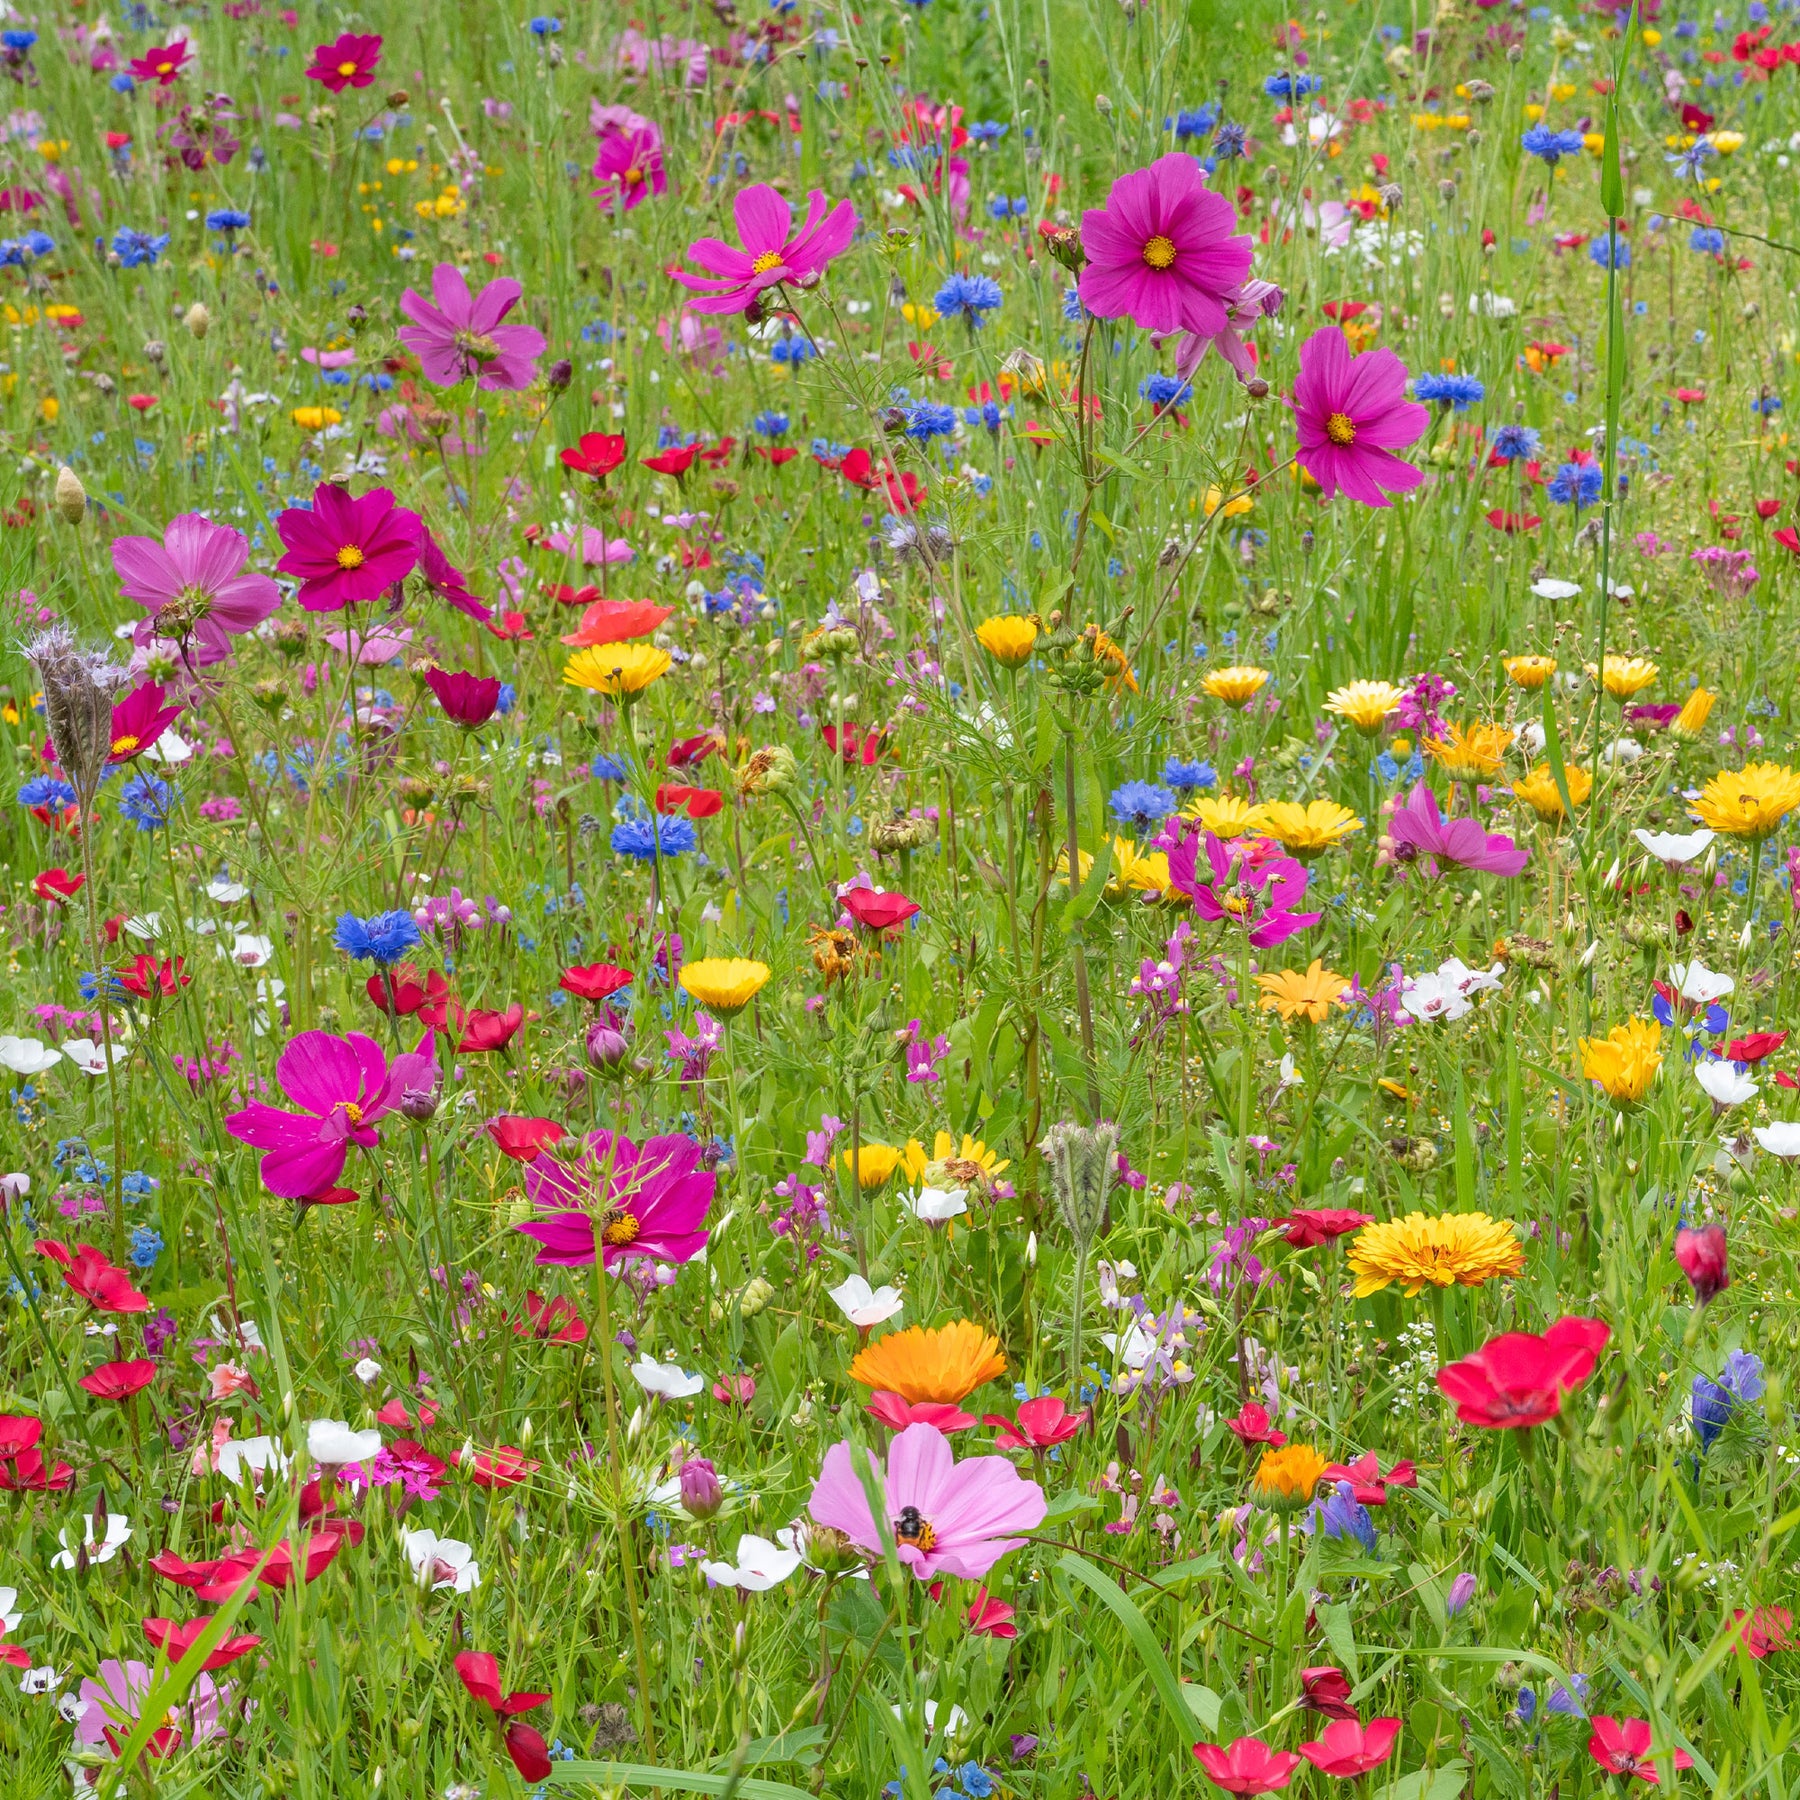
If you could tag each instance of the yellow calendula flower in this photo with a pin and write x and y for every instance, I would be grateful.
(1726, 142)
(945, 1365)
(1236, 686)
(622, 670)
(1285, 1478)
(875, 1163)
(1626, 675)
(724, 984)
(1452, 1250)
(1625, 1061)
(1308, 994)
(1235, 507)
(1528, 671)
(1539, 790)
(1749, 802)
(1008, 638)
(1366, 705)
(1306, 831)
(1470, 753)
(316, 418)
(1137, 871)
(1691, 720)
(1228, 816)
(945, 1149)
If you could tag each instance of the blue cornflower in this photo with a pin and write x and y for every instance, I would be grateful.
(507, 699)
(90, 984)
(999, 207)
(1189, 777)
(770, 424)
(1291, 87)
(46, 791)
(1766, 405)
(122, 83)
(147, 800)
(1687, 163)
(1515, 443)
(1073, 311)
(1193, 121)
(1164, 391)
(20, 41)
(642, 838)
(987, 131)
(969, 297)
(1706, 240)
(1576, 484)
(1603, 254)
(1141, 804)
(381, 938)
(1741, 1383)
(1458, 391)
(1552, 146)
(38, 243)
(544, 26)
(1570, 1701)
(227, 218)
(927, 420)
(607, 768)
(1228, 141)
(792, 351)
(146, 1246)
(1344, 1516)
(135, 248)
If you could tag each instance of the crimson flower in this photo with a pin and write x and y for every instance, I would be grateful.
(395, 1414)
(1518, 1379)
(897, 1413)
(1247, 1766)
(447, 581)
(348, 61)
(273, 1569)
(119, 1380)
(22, 1468)
(178, 1640)
(1366, 1478)
(1702, 1255)
(594, 981)
(104, 1287)
(139, 720)
(554, 1319)
(468, 700)
(346, 549)
(480, 1674)
(989, 1617)
(1622, 1746)
(530, 1754)
(700, 803)
(1751, 1048)
(676, 460)
(523, 1138)
(1258, 896)
(57, 886)
(483, 1030)
(1346, 1749)
(686, 752)
(647, 1200)
(1253, 1426)
(598, 454)
(403, 992)
(162, 63)
(853, 745)
(1308, 1227)
(147, 978)
(879, 912)
(1326, 1690)
(1042, 1424)
(501, 1467)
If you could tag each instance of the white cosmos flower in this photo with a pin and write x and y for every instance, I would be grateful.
(27, 1056)
(332, 1441)
(864, 1306)
(441, 1562)
(1550, 588)
(118, 1529)
(935, 1205)
(760, 1566)
(1672, 848)
(1780, 1139)
(667, 1381)
(90, 1058)
(1698, 984)
(9, 1620)
(225, 891)
(1725, 1082)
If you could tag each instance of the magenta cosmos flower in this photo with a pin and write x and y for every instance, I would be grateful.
(462, 337)
(769, 255)
(1162, 251)
(345, 549)
(1419, 830)
(194, 586)
(645, 1200)
(1256, 887)
(139, 720)
(342, 1086)
(447, 581)
(1352, 414)
(629, 168)
(349, 61)
(946, 1517)
(109, 1701)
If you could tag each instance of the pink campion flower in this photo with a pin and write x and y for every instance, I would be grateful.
(604, 121)
(342, 1086)
(1162, 252)
(946, 1517)
(629, 168)
(1418, 829)
(462, 338)
(770, 255)
(348, 61)
(194, 586)
(162, 63)
(645, 1201)
(1258, 897)
(591, 547)
(1351, 414)
(346, 549)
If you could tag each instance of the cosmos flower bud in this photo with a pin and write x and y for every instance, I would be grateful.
(607, 1045)
(420, 1103)
(1702, 1255)
(71, 496)
(701, 1493)
(561, 373)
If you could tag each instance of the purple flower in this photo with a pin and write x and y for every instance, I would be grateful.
(1462, 1591)
(637, 1201)
(695, 1053)
(462, 338)
(194, 586)
(924, 1055)
(1418, 829)
(1259, 898)
(818, 1143)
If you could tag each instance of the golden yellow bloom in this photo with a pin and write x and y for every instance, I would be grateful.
(1726, 142)
(1539, 791)
(1285, 1478)
(1229, 816)
(1234, 507)
(1529, 671)
(1397, 1088)
(1626, 675)
(1109, 653)
(1452, 1250)
(1310, 995)
(1625, 1061)
(1470, 753)
(875, 1163)
(1305, 831)
(1236, 686)
(725, 984)
(1365, 704)
(1749, 802)
(1008, 638)
(622, 670)
(1691, 720)
(1135, 870)
(945, 1365)
(944, 1149)
(316, 418)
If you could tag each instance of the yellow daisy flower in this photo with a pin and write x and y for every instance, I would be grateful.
(1452, 1250)
(1470, 753)
(1228, 816)
(1539, 791)
(1305, 831)
(1236, 686)
(1366, 705)
(1749, 802)
(1009, 638)
(724, 984)
(1529, 671)
(1308, 995)
(1625, 675)
(622, 670)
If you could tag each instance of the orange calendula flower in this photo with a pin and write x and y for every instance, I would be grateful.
(1009, 638)
(1302, 994)
(1306, 831)
(724, 984)
(1285, 1478)
(1119, 674)
(946, 1364)
(1450, 1250)
(1691, 720)
(1539, 790)
(1366, 705)
(1625, 676)
(1625, 1061)
(1470, 753)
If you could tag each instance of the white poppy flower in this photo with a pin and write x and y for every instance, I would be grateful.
(1673, 848)
(252, 951)
(1698, 984)
(226, 892)
(27, 1056)
(90, 1058)
(254, 1455)
(144, 926)
(1780, 1139)
(1726, 1083)
(118, 1529)
(935, 1205)
(441, 1562)
(864, 1306)
(332, 1441)
(667, 1381)
(760, 1566)
(1549, 588)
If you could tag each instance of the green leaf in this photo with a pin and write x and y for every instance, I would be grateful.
(680, 1781)
(1143, 1639)
(1427, 1784)
(1425, 1585)
(1076, 909)
(1612, 176)
(1069, 1503)
(1203, 1703)
(1340, 1634)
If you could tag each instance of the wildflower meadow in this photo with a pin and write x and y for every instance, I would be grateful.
(900, 902)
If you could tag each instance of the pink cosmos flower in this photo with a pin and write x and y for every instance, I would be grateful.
(629, 168)
(162, 63)
(109, 1706)
(447, 581)
(341, 1085)
(1419, 829)
(1351, 415)
(592, 548)
(769, 255)
(1243, 307)
(194, 586)
(347, 61)
(345, 549)
(462, 338)
(946, 1517)
(1162, 251)
(641, 1201)
(1258, 897)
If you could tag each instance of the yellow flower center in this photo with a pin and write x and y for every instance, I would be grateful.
(1159, 253)
(346, 68)
(633, 178)
(1341, 428)
(350, 557)
(770, 259)
(477, 345)
(352, 1112)
(125, 743)
(163, 68)
(618, 1227)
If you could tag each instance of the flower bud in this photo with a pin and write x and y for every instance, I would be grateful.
(701, 1493)
(420, 1103)
(71, 496)
(561, 373)
(157, 351)
(607, 1045)
(1702, 1255)
(197, 319)
(771, 770)
(357, 316)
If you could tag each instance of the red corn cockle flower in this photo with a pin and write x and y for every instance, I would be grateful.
(480, 1674)
(481, 1030)
(1622, 1747)
(139, 720)
(897, 1413)
(1253, 1426)
(177, 1640)
(1702, 1255)
(598, 454)
(1247, 1766)
(676, 460)
(119, 1380)
(1365, 1476)
(349, 60)
(1346, 1749)
(1326, 1690)
(1768, 1628)
(594, 981)
(989, 1617)
(1041, 1425)
(878, 912)
(57, 887)
(503, 1466)
(522, 1137)
(1518, 1379)
(555, 1320)
(468, 700)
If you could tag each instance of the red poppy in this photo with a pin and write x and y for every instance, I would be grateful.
(714, 455)
(699, 803)
(57, 886)
(1326, 1691)
(554, 1320)
(523, 1138)
(89, 1274)
(403, 992)
(147, 978)
(1247, 1766)
(1253, 1426)
(878, 912)
(1754, 1046)
(616, 621)
(530, 1754)
(857, 746)
(482, 1030)
(1365, 1476)
(687, 753)
(1347, 1749)
(140, 402)
(989, 1617)
(778, 454)
(508, 627)
(22, 1467)
(594, 981)
(1512, 522)
(1519, 1379)
(675, 461)
(598, 454)
(1622, 1747)
(480, 1674)
(1042, 1424)
(503, 1466)
(178, 1640)
(896, 1413)
(119, 1380)
(1691, 396)
(1311, 1226)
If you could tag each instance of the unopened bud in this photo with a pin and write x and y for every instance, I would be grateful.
(71, 496)
(701, 1493)
(1257, 388)
(562, 372)
(157, 351)
(420, 1103)
(197, 319)
(357, 316)
(607, 1045)
(398, 98)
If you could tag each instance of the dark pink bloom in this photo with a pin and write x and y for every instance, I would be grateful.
(161, 63)
(646, 1200)
(1243, 307)
(769, 255)
(629, 168)
(462, 338)
(1042, 1424)
(1703, 1258)
(1352, 414)
(1622, 1746)
(194, 586)
(1366, 1479)
(349, 61)
(946, 1517)
(1346, 1749)
(1519, 1379)
(342, 1086)
(896, 1413)
(139, 720)
(345, 549)
(1419, 829)
(1258, 897)
(1163, 251)
(446, 580)
(1247, 1766)
(466, 699)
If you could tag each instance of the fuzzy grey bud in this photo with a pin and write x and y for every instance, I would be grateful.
(1080, 1159)
(71, 496)
(78, 699)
